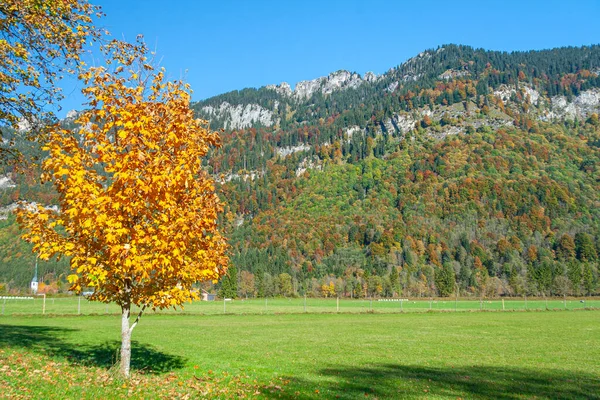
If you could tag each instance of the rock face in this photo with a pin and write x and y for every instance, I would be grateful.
(71, 115)
(354, 129)
(371, 77)
(305, 89)
(403, 122)
(6, 182)
(392, 86)
(534, 95)
(240, 116)
(582, 106)
(341, 80)
(452, 74)
(505, 92)
(244, 116)
(447, 131)
(389, 125)
(338, 80)
(283, 89)
(285, 151)
(307, 164)
(7, 210)
(537, 104)
(23, 125)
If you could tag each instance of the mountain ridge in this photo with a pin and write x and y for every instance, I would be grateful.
(451, 62)
(407, 66)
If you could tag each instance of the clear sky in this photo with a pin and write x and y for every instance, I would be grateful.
(225, 44)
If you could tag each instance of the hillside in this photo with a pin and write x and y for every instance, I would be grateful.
(458, 165)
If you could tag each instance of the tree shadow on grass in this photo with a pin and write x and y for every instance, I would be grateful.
(478, 382)
(50, 341)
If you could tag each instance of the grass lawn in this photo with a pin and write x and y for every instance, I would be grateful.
(76, 305)
(491, 355)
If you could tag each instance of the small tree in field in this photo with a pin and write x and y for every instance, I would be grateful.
(138, 214)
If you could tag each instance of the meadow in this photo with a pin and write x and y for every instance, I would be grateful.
(80, 305)
(435, 355)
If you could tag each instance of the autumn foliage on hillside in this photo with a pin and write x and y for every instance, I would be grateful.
(497, 212)
(444, 175)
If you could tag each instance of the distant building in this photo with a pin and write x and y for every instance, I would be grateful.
(208, 296)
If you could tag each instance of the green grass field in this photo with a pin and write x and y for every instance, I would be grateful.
(487, 355)
(75, 305)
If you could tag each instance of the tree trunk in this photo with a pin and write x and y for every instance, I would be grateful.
(125, 341)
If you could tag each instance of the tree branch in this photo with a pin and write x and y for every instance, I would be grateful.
(137, 319)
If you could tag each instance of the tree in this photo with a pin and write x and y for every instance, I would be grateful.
(562, 285)
(445, 279)
(395, 281)
(575, 274)
(138, 213)
(247, 287)
(481, 276)
(542, 275)
(40, 40)
(585, 247)
(588, 278)
(285, 285)
(328, 290)
(426, 121)
(229, 284)
(566, 247)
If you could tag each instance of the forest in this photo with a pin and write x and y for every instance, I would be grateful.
(507, 204)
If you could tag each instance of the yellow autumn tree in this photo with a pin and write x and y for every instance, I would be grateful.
(40, 41)
(138, 213)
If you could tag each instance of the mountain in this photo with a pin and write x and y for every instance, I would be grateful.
(460, 165)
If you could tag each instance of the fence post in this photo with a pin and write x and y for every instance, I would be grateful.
(502, 304)
(456, 300)
(3, 305)
(401, 305)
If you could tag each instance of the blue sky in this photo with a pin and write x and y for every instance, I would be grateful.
(225, 45)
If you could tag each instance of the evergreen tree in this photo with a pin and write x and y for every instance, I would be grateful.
(585, 247)
(445, 279)
(229, 284)
(394, 281)
(589, 281)
(575, 274)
